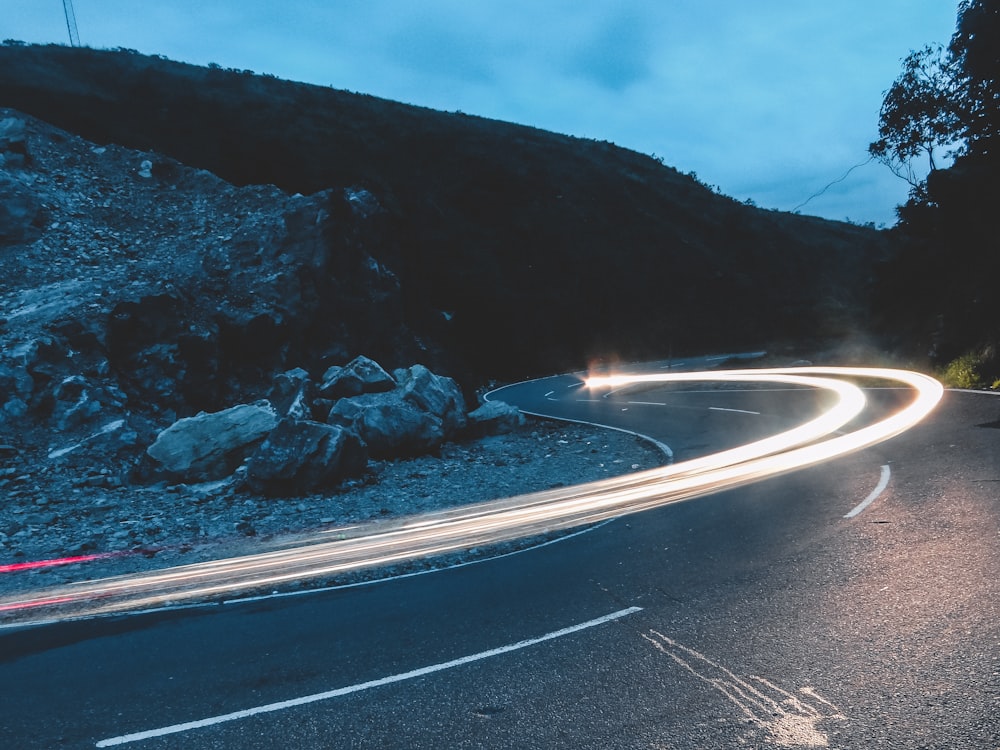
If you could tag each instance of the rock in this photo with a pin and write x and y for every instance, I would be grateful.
(301, 456)
(493, 418)
(12, 136)
(211, 446)
(436, 394)
(389, 425)
(13, 143)
(19, 210)
(360, 375)
(290, 396)
(76, 402)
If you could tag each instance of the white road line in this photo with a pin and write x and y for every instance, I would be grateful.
(883, 482)
(738, 411)
(281, 705)
(646, 403)
(401, 576)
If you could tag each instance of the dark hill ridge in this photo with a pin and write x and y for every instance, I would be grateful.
(518, 251)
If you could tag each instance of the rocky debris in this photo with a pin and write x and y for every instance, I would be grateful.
(300, 457)
(156, 526)
(493, 418)
(211, 446)
(422, 411)
(300, 454)
(145, 292)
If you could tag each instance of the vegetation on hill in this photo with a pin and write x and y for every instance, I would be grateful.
(518, 251)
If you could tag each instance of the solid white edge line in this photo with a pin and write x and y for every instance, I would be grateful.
(401, 576)
(883, 482)
(294, 702)
(738, 411)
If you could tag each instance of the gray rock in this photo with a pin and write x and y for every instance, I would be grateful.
(494, 418)
(360, 375)
(389, 425)
(211, 446)
(19, 208)
(300, 456)
(435, 394)
(77, 402)
(13, 136)
(291, 394)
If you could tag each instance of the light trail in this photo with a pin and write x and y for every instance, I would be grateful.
(377, 544)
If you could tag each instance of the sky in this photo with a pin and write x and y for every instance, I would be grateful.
(772, 101)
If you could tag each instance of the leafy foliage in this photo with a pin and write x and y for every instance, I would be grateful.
(921, 115)
(973, 369)
(975, 49)
(947, 99)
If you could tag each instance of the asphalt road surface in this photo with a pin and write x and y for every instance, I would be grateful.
(850, 605)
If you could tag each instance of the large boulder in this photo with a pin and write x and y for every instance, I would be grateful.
(360, 375)
(301, 456)
(389, 425)
(435, 394)
(211, 446)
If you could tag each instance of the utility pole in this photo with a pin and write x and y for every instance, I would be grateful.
(74, 34)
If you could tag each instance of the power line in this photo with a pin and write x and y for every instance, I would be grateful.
(74, 34)
(827, 187)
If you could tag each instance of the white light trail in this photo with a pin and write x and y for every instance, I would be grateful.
(378, 544)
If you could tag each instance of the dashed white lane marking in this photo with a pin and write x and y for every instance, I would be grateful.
(281, 705)
(738, 411)
(883, 482)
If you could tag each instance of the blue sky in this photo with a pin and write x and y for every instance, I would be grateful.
(769, 100)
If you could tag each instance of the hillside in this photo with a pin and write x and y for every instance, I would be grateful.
(517, 251)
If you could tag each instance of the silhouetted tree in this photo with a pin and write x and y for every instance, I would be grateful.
(921, 114)
(946, 100)
(975, 50)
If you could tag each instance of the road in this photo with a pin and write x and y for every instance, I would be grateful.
(756, 617)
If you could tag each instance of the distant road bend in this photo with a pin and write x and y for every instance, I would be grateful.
(375, 544)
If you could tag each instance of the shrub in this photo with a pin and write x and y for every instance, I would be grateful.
(974, 369)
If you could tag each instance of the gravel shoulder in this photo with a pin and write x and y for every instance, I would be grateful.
(134, 529)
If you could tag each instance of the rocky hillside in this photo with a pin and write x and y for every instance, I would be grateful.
(504, 249)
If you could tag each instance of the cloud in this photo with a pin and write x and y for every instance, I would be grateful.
(615, 55)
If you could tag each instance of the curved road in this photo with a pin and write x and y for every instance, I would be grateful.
(850, 605)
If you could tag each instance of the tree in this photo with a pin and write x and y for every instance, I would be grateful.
(921, 114)
(975, 50)
(946, 102)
